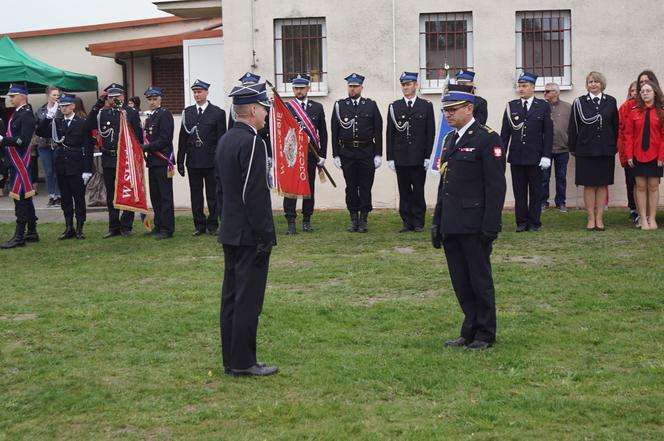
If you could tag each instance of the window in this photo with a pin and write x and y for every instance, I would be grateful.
(300, 46)
(544, 46)
(168, 73)
(444, 39)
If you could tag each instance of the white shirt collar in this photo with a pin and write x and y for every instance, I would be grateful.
(412, 100)
(68, 118)
(595, 96)
(462, 130)
(305, 102)
(204, 106)
(529, 101)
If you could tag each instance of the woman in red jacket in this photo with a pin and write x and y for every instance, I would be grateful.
(623, 112)
(644, 149)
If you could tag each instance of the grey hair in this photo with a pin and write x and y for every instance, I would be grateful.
(555, 86)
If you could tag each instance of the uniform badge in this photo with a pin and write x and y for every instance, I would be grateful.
(516, 117)
(498, 152)
(467, 149)
(345, 119)
(470, 132)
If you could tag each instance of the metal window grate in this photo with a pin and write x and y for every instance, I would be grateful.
(445, 38)
(300, 47)
(544, 44)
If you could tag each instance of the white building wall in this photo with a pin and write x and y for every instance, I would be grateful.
(610, 37)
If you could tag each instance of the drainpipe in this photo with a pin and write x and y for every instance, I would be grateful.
(253, 35)
(394, 48)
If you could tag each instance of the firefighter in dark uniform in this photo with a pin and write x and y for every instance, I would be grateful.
(158, 148)
(203, 124)
(316, 114)
(411, 128)
(15, 143)
(106, 119)
(73, 161)
(527, 135)
(249, 79)
(247, 230)
(357, 147)
(481, 110)
(471, 194)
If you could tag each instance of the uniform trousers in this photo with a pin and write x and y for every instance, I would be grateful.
(116, 222)
(242, 294)
(412, 206)
(290, 205)
(359, 175)
(72, 192)
(24, 209)
(469, 264)
(197, 178)
(527, 187)
(161, 197)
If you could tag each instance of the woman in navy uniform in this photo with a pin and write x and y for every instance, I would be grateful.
(357, 147)
(467, 218)
(316, 114)
(105, 117)
(203, 124)
(73, 161)
(527, 135)
(18, 135)
(593, 136)
(158, 148)
(411, 128)
(247, 230)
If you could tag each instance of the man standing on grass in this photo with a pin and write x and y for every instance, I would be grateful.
(560, 112)
(247, 230)
(467, 220)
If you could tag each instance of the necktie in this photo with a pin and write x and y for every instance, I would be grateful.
(596, 101)
(455, 138)
(200, 111)
(68, 121)
(645, 137)
(410, 104)
(355, 104)
(304, 105)
(524, 103)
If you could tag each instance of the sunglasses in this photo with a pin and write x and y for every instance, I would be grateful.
(549, 91)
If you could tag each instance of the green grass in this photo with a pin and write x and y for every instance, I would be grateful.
(118, 339)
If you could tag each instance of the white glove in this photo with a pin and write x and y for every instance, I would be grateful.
(321, 162)
(1, 138)
(545, 163)
(427, 163)
(337, 162)
(391, 165)
(377, 161)
(86, 177)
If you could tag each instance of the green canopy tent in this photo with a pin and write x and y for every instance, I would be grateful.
(16, 66)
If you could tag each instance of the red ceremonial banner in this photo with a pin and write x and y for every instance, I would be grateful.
(289, 152)
(130, 172)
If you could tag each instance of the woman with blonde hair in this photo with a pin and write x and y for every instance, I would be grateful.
(593, 135)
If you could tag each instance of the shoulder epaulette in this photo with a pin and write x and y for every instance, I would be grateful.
(487, 128)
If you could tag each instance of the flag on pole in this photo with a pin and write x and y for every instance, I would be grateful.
(289, 152)
(129, 193)
(443, 129)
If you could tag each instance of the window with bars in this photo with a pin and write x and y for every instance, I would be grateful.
(544, 46)
(300, 46)
(445, 38)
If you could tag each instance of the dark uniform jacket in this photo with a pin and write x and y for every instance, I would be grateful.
(263, 133)
(243, 188)
(596, 139)
(480, 110)
(73, 155)
(411, 146)
(22, 125)
(472, 188)
(105, 119)
(528, 145)
(362, 139)
(196, 150)
(158, 137)
(317, 116)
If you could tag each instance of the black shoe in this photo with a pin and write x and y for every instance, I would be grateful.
(31, 235)
(534, 228)
(418, 229)
(521, 228)
(405, 228)
(362, 225)
(50, 203)
(352, 228)
(79, 229)
(126, 233)
(479, 345)
(456, 343)
(227, 370)
(162, 236)
(600, 228)
(212, 231)
(306, 226)
(57, 202)
(69, 233)
(152, 232)
(112, 233)
(198, 232)
(255, 371)
(291, 226)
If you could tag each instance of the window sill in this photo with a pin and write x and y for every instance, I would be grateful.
(290, 94)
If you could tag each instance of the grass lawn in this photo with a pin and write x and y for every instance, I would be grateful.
(118, 339)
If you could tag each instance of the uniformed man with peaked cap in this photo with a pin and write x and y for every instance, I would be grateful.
(247, 230)
(203, 124)
(481, 111)
(357, 147)
(467, 218)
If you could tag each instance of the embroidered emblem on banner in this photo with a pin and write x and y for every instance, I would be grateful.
(290, 148)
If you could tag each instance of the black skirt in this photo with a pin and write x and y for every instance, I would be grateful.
(594, 171)
(648, 169)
